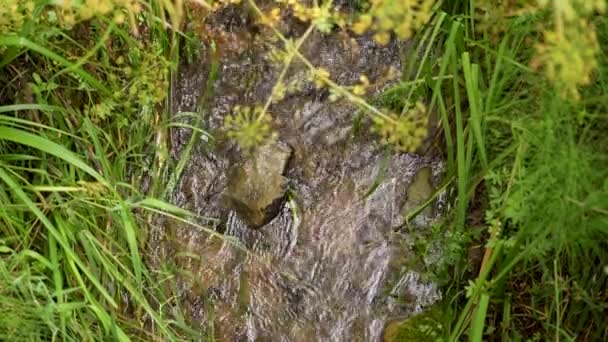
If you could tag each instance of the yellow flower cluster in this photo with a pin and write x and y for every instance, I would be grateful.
(492, 16)
(572, 10)
(321, 16)
(13, 14)
(249, 126)
(404, 132)
(73, 11)
(320, 76)
(568, 51)
(569, 46)
(215, 5)
(148, 88)
(568, 59)
(143, 90)
(282, 89)
(402, 17)
(271, 18)
(362, 87)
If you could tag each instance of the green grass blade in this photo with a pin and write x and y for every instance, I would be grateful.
(58, 281)
(461, 171)
(30, 106)
(438, 97)
(479, 319)
(471, 75)
(101, 42)
(436, 27)
(126, 281)
(130, 232)
(100, 153)
(162, 206)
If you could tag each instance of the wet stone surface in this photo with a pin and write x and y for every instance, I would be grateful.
(310, 253)
(257, 186)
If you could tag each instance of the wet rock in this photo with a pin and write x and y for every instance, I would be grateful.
(256, 187)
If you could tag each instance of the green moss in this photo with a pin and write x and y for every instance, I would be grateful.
(421, 327)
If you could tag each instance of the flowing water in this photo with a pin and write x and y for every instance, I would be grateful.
(311, 249)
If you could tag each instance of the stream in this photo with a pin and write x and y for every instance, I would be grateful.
(310, 248)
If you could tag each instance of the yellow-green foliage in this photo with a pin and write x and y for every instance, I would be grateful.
(13, 14)
(322, 17)
(569, 49)
(140, 90)
(405, 132)
(567, 52)
(124, 69)
(423, 326)
(403, 17)
(568, 57)
(571, 10)
(73, 11)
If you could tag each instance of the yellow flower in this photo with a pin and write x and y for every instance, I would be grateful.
(568, 58)
(359, 90)
(119, 18)
(322, 19)
(404, 132)
(363, 24)
(301, 12)
(382, 38)
(320, 77)
(364, 80)
(400, 16)
(272, 18)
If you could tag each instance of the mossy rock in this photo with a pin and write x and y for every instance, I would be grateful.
(419, 191)
(258, 184)
(424, 326)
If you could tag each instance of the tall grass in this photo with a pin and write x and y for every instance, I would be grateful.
(74, 204)
(538, 161)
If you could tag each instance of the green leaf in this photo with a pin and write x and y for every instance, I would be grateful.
(163, 206)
